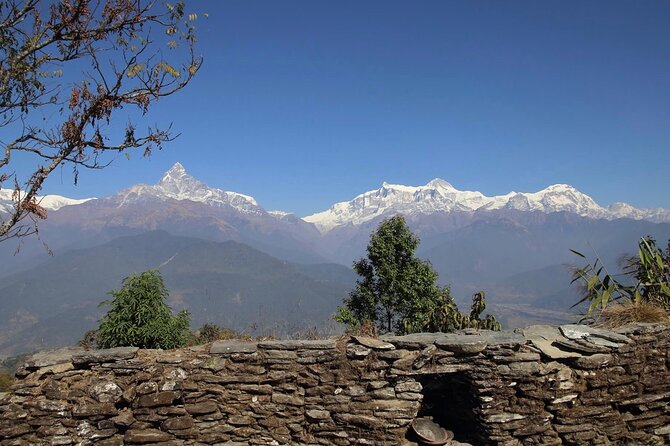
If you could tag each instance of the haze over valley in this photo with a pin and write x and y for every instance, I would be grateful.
(231, 262)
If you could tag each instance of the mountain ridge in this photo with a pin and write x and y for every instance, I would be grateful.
(438, 195)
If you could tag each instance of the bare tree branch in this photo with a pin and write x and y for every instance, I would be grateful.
(127, 68)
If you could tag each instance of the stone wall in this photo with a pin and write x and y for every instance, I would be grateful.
(541, 386)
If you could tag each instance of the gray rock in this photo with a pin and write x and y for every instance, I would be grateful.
(545, 332)
(580, 346)
(375, 344)
(52, 357)
(232, 346)
(106, 392)
(462, 344)
(602, 342)
(413, 341)
(104, 355)
(502, 338)
(321, 344)
(576, 331)
(547, 349)
(357, 351)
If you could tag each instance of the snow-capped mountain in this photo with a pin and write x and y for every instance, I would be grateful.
(440, 196)
(178, 185)
(49, 202)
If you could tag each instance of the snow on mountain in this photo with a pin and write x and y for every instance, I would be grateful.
(280, 214)
(49, 202)
(177, 184)
(440, 196)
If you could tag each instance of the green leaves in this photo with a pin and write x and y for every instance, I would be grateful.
(649, 274)
(398, 292)
(139, 316)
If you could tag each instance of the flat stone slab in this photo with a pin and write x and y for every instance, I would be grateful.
(502, 337)
(552, 352)
(413, 341)
(321, 344)
(580, 346)
(375, 344)
(462, 344)
(232, 346)
(545, 332)
(52, 357)
(577, 331)
(104, 355)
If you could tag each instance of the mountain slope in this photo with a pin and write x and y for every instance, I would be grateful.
(227, 283)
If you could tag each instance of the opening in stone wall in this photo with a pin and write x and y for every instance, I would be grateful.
(450, 401)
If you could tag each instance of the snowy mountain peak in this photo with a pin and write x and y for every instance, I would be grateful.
(439, 183)
(175, 172)
(49, 202)
(177, 184)
(440, 196)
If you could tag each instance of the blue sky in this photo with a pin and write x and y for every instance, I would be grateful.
(304, 103)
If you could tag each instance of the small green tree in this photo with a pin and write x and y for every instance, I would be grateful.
(398, 292)
(140, 317)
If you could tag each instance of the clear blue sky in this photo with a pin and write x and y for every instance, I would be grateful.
(304, 103)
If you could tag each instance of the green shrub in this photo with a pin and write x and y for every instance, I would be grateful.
(140, 317)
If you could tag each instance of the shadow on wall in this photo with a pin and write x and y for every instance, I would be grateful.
(448, 399)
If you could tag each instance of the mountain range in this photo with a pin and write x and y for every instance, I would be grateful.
(514, 246)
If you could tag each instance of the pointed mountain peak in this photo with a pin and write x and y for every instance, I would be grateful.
(175, 172)
(439, 183)
(177, 168)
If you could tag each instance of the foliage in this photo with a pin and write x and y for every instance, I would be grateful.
(398, 292)
(139, 316)
(446, 317)
(648, 275)
(70, 71)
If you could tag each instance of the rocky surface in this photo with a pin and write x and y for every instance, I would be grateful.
(542, 386)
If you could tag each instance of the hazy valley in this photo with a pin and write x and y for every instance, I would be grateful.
(231, 262)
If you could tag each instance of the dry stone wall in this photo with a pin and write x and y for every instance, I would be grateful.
(539, 386)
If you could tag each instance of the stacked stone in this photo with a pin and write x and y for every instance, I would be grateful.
(541, 386)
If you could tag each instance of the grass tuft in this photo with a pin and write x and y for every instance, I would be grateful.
(617, 315)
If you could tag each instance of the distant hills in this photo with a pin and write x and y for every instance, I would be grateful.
(227, 283)
(514, 246)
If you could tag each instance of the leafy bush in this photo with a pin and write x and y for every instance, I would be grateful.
(645, 279)
(398, 292)
(140, 317)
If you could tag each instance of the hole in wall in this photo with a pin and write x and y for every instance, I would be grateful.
(450, 401)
